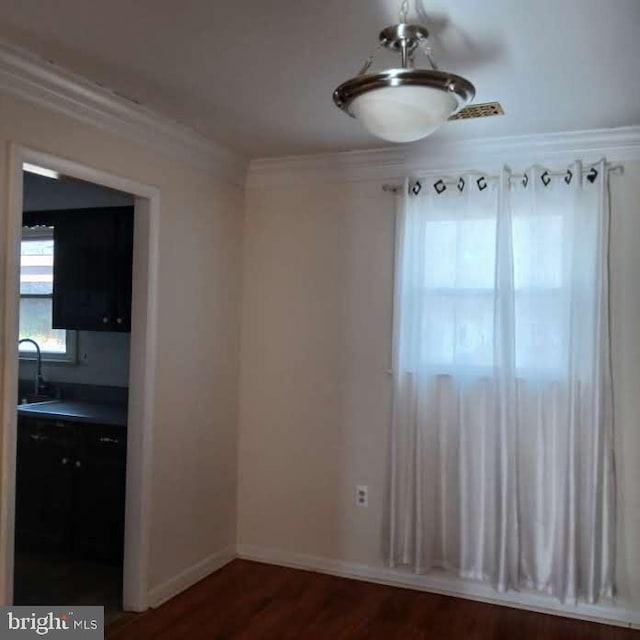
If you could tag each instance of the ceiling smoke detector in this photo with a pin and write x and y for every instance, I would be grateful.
(406, 103)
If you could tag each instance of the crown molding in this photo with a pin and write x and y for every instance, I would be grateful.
(618, 145)
(31, 78)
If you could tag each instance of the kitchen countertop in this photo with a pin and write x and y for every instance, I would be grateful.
(76, 411)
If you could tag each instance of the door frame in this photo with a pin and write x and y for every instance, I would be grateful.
(135, 591)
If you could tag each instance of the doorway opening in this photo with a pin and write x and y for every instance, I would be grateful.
(76, 256)
(79, 361)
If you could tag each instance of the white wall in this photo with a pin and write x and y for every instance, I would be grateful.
(625, 331)
(194, 449)
(315, 395)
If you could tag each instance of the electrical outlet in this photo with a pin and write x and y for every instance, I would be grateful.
(362, 495)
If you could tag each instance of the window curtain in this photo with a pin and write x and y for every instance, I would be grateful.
(502, 443)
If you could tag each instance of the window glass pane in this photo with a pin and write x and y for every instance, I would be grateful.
(460, 254)
(476, 254)
(474, 321)
(36, 266)
(457, 330)
(540, 330)
(440, 254)
(538, 251)
(35, 323)
(458, 318)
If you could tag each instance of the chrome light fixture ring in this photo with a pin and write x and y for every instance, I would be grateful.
(458, 86)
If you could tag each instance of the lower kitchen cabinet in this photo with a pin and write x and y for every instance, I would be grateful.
(70, 488)
(98, 522)
(44, 485)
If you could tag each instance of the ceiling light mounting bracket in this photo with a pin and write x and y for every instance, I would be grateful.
(403, 38)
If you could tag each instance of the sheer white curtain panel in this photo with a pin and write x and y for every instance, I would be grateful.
(502, 435)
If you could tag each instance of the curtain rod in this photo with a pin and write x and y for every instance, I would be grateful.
(612, 168)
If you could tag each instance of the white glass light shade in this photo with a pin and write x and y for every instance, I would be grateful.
(403, 114)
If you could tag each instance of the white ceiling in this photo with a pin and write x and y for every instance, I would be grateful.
(258, 75)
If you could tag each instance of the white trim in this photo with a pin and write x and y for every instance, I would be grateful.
(141, 379)
(185, 579)
(45, 83)
(618, 145)
(10, 299)
(443, 583)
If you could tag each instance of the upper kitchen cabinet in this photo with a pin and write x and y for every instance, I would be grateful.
(93, 256)
(93, 252)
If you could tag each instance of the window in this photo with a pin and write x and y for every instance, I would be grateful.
(452, 274)
(36, 299)
(541, 289)
(459, 286)
(460, 266)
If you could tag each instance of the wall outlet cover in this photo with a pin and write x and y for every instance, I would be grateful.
(362, 495)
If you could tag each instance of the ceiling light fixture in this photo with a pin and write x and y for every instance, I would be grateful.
(404, 104)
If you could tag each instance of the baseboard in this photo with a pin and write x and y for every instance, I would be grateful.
(191, 575)
(446, 584)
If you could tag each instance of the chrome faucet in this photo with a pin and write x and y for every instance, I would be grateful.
(39, 382)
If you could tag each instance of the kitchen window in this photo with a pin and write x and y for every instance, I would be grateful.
(36, 300)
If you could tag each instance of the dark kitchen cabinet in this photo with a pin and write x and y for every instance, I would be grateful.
(93, 256)
(70, 488)
(44, 483)
(98, 528)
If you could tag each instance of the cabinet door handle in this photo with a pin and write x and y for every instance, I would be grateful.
(105, 319)
(119, 320)
(78, 464)
(65, 460)
(108, 440)
(38, 437)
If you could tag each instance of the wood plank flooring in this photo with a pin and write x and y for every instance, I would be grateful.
(252, 601)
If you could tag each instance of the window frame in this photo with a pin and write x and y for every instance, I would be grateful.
(70, 356)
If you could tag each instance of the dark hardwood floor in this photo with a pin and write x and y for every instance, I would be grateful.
(253, 601)
(47, 578)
